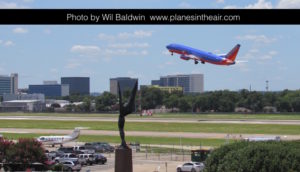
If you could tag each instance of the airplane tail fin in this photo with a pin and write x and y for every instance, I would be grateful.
(75, 133)
(233, 53)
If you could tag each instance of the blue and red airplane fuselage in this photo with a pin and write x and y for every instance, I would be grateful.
(189, 53)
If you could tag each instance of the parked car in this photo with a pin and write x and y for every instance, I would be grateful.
(54, 154)
(90, 159)
(191, 167)
(83, 149)
(66, 157)
(71, 166)
(99, 158)
(100, 147)
(82, 160)
(66, 149)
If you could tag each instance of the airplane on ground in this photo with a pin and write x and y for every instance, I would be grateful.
(189, 53)
(59, 140)
(261, 139)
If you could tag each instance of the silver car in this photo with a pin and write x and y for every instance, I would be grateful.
(191, 167)
(71, 165)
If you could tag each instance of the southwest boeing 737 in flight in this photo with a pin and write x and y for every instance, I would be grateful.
(188, 53)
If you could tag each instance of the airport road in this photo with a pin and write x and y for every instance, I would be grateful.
(138, 165)
(166, 120)
(148, 133)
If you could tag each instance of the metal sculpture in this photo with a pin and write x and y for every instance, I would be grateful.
(125, 109)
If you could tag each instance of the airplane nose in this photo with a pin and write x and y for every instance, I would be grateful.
(168, 46)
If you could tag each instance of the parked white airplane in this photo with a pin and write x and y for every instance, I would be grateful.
(59, 140)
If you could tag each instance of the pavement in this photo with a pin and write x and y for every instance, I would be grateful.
(148, 133)
(161, 120)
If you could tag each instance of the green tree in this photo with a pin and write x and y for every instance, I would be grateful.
(86, 106)
(255, 157)
(183, 104)
(105, 101)
(151, 98)
(296, 104)
(172, 101)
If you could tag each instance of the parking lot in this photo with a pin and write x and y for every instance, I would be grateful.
(142, 161)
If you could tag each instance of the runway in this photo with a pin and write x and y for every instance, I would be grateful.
(161, 120)
(149, 134)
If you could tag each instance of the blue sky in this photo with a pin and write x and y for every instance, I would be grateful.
(47, 52)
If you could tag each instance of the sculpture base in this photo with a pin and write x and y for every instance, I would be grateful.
(123, 160)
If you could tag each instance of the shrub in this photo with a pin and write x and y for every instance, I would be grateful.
(255, 157)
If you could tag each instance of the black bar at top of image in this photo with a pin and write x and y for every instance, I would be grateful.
(149, 16)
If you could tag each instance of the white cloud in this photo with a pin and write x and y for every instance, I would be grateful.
(123, 52)
(231, 7)
(288, 4)
(135, 34)
(54, 70)
(8, 43)
(257, 38)
(28, 1)
(133, 74)
(105, 37)
(85, 49)
(129, 45)
(260, 4)
(269, 55)
(47, 31)
(10, 5)
(242, 66)
(184, 5)
(264, 4)
(220, 1)
(72, 64)
(20, 30)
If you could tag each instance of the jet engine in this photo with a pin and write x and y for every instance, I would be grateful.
(183, 57)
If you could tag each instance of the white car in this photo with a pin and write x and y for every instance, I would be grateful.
(71, 166)
(190, 167)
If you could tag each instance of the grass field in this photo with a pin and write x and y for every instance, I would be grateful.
(156, 126)
(141, 140)
(288, 116)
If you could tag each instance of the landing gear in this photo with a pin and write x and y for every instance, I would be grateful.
(203, 62)
(171, 53)
(196, 62)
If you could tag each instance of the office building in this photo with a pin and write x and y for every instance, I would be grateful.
(169, 89)
(50, 82)
(126, 83)
(191, 83)
(155, 82)
(77, 85)
(9, 84)
(54, 90)
(14, 83)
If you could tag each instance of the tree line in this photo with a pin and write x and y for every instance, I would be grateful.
(212, 101)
